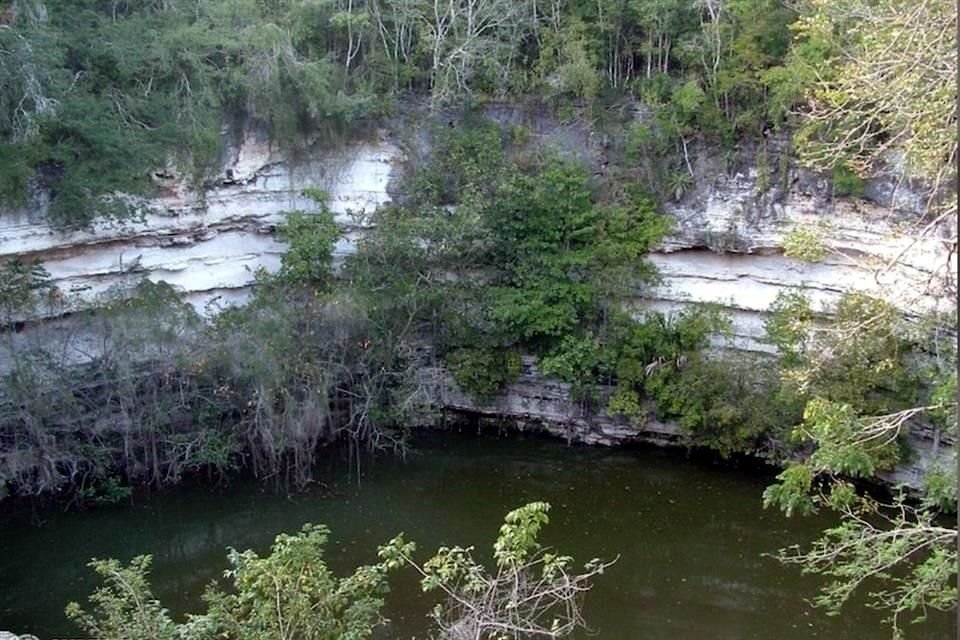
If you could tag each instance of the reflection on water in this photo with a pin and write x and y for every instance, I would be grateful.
(691, 538)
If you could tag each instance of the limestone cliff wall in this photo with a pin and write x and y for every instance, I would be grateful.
(726, 246)
(209, 243)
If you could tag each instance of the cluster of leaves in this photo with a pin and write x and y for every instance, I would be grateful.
(309, 257)
(291, 593)
(721, 401)
(903, 551)
(729, 404)
(24, 288)
(865, 102)
(845, 373)
(288, 594)
(483, 372)
(858, 377)
(533, 593)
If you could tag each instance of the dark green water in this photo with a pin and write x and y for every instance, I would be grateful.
(690, 536)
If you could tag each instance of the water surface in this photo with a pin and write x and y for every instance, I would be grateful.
(691, 537)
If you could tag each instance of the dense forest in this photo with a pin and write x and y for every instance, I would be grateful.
(98, 94)
(498, 253)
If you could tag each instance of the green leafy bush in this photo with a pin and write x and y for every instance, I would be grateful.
(308, 261)
(483, 372)
(289, 593)
(727, 404)
(847, 182)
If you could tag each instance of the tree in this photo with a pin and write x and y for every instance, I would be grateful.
(882, 98)
(886, 87)
(289, 594)
(533, 594)
(468, 39)
(865, 377)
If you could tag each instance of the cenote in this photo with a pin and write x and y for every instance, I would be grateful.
(691, 536)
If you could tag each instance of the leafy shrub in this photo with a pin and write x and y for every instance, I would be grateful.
(483, 372)
(804, 244)
(726, 404)
(289, 593)
(847, 182)
(308, 261)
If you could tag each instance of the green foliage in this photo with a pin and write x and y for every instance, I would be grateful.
(532, 593)
(837, 430)
(309, 259)
(864, 361)
(789, 325)
(124, 607)
(96, 98)
(804, 244)
(576, 360)
(864, 548)
(518, 535)
(858, 375)
(626, 402)
(846, 375)
(527, 260)
(560, 252)
(728, 404)
(846, 182)
(566, 63)
(660, 342)
(483, 372)
(109, 491)
(791, 494)
(678, 182)
(940, 490)
(870, 90)
(23, 288)
(466, 160)
(764, 173)
(290, 593)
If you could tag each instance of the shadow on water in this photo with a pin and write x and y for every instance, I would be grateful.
(691, 535)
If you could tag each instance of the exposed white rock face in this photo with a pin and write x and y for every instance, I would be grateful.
(728, 241)
(209, 245)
